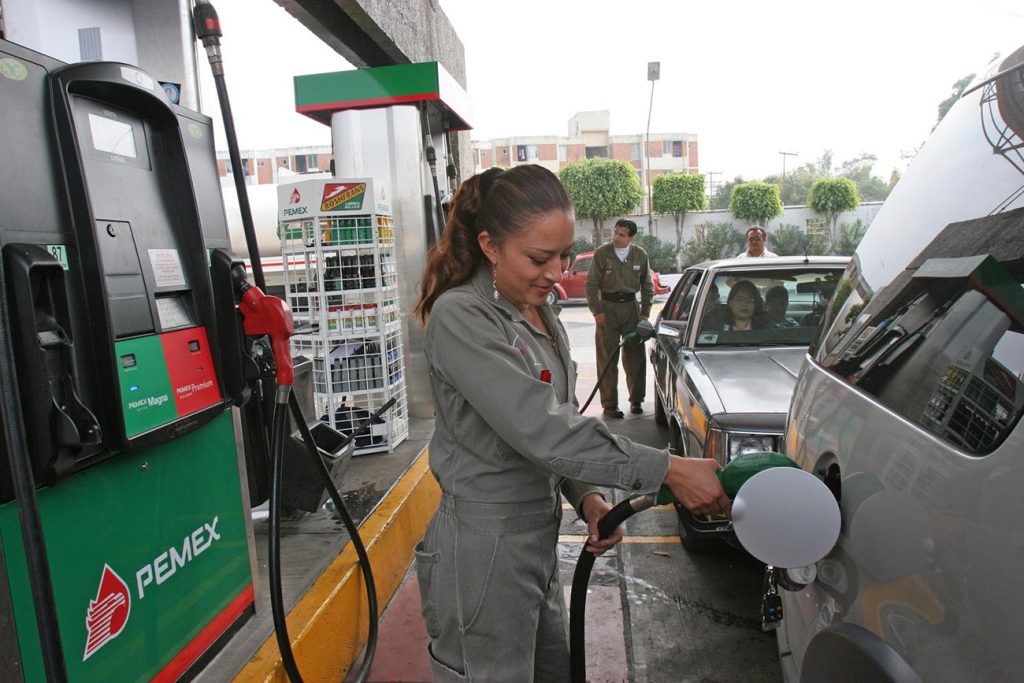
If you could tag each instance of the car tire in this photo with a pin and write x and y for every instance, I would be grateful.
(552, 297)
(691, 543)
(660, 417)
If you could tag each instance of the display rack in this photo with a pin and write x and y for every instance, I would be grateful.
(341, 281)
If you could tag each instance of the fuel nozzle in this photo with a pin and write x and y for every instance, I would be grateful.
(734, 475)
(267, 315)
(207, 27)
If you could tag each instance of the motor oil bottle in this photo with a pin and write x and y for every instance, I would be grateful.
(737, 472)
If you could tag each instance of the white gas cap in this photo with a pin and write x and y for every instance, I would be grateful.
(786, 517)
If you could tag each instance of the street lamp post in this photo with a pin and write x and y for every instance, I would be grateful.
(653, 73)
(784, 155)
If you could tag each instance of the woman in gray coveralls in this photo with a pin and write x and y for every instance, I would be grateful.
(508, 437)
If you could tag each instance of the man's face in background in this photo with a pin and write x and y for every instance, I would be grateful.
(621, 237)
(755, 242)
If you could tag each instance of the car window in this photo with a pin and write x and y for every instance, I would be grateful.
(582, 265)
(942, 344)
(681, 301)
(770, 307)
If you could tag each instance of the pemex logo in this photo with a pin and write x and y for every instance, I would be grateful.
(108, 613)
(295, 197)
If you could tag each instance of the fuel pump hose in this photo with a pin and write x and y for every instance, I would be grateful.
(732, 478)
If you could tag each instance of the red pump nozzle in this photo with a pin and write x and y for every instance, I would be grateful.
(271, 316)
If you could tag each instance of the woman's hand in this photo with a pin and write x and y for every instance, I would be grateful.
(594, 507)
(694, 484)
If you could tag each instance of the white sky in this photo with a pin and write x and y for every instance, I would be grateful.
(750, 79)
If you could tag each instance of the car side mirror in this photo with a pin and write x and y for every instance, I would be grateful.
(673, 329)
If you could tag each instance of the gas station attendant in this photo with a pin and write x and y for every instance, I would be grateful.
(508, 438)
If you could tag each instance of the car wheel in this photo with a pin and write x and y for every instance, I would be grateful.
(552, 297)
(691, 542)
(660, 418)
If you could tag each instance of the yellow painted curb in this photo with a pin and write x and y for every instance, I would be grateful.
(328, 626)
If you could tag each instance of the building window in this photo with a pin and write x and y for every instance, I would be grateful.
(521, 153)
(531, 151)
(561, 153)
(597, 152)
(677, 148)
(305, 163)
(666, 148)
(635, 151)
(260, 163)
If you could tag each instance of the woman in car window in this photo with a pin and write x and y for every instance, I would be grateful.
(744, 310)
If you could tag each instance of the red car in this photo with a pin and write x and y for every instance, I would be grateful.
(571, 286)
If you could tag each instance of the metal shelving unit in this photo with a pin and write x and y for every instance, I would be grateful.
(341, 281)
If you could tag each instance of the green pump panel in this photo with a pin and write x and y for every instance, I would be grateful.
(113, 377)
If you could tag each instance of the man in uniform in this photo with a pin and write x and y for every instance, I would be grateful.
(620, 270)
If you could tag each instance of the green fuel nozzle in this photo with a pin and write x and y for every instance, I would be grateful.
(736, 473)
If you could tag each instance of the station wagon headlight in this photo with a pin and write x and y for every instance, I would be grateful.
(741, 444)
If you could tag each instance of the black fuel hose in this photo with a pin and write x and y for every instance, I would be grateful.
(207, 27)
(277, 440)
(40, 580)
(605, 527)
(357, 542)
(581, 578)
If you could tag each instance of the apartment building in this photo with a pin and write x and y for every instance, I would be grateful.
(263, 167)
(589, 137)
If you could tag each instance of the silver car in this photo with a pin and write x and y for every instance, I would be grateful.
(909, 408)
(728, 345)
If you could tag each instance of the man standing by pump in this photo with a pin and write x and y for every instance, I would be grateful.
(619, 271)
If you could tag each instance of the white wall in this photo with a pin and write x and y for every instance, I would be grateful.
(51, 27)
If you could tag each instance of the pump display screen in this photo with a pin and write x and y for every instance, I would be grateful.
(113, 137)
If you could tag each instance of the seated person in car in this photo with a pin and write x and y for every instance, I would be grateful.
(776, 301)
(744, 310)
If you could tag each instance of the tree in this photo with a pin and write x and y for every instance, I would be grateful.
(830, 197)
(870, 188)
(850, 236)
(662, 255)
(581, 245)
(601, 188)
(790, 240)
(794, 187)
(947, 104)
(720, 199)
(678, 193)
(755, 202)
(717, 240)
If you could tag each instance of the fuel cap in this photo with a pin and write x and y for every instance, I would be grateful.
(786, 517)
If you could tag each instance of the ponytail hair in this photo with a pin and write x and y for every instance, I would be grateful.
(498, 202)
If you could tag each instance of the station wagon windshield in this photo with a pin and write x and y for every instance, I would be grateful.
(771, 307)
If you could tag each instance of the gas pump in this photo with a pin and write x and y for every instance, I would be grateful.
(113, 380)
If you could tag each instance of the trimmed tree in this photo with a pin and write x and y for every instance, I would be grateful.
(678, 193)
(600, 189)
(830, 197)
(716, 240)
(790, 240)
(755, 202)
